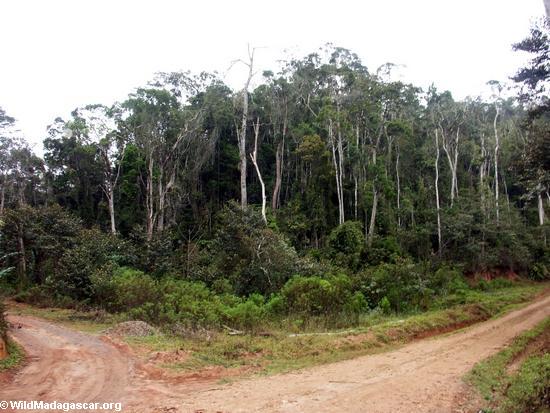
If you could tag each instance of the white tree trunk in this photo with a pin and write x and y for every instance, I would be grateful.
(373, 215)
(497, 147)
(542, 216)
(337, 162)
(398, 188)
(110, 199)
(254, 158)
(437, 191)
(242, 131)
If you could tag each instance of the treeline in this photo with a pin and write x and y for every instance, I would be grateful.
(334, 170)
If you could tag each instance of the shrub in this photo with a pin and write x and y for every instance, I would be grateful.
(384, 305)
(404, 284)
(315, 296)
(447, 280)
(247, 315)
(540, 272)
(131, 288)
(94, 249)
(383, 249)
(253, 257)
(347, 238)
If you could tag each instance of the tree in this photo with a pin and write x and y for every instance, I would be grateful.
(101, 132)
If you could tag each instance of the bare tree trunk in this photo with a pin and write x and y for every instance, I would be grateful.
(373, 214)
(398, 187)
(497, 147)
(22, 255)
(111, 201)
(482, 168)
(355, 193)
(452, 158)
(242, 132)
(254, 158)
(337, 162)
(542, 216)
(2, 196)
(149, 202)
(437, 191)
(162, 201)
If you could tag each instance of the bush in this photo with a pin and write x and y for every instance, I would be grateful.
(405, 285)
(248, 315)
(94, 250)
(382, 250)
(315, 296)
(347, 238)
(130, 288)
(253, 257)
(540, 272)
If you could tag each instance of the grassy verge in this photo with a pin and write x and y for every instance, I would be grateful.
(15, 356)
(523, 389)
(280, 351)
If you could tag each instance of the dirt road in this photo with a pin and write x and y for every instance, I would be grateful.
(424, 376)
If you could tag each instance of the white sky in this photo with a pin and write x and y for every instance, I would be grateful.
(60, 54)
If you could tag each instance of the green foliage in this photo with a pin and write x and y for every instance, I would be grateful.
(93, 250)
(315, 296)
(405, 285)
(529, 390)
(347, 238)
(253, 257)
(383, 249)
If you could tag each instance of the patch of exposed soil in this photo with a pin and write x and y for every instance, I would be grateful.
(3, 349)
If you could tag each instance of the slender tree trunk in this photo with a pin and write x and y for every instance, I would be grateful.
(355, 194)
(149, 201)
(254, 158)
(398, 187)
(437, 192)
(242, 132)
(482, 168)
(2, 196)
(497, 147)
(373, 214)
(452, 158)
(162, 202)
(337, 162)
(542, 216)
(22, 255)
(275, 200)
(111, 201)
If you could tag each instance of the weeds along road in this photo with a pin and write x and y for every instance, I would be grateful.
(425, 376)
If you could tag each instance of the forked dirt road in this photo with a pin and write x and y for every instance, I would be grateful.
(425, 376)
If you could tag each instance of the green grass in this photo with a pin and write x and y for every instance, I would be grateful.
(15, 356)
(282, 351)
(522, 391)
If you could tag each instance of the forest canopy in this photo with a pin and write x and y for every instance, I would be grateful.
(328, 187)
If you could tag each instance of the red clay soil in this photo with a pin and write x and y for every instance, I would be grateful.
(3, 349)
(424, 376)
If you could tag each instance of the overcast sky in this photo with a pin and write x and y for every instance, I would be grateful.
(60, 54)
